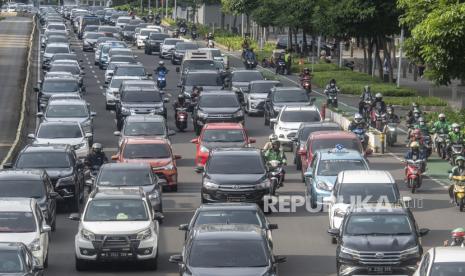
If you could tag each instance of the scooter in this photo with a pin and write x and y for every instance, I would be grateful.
(378, 119)
(459, 191)
(194, 35)
(161, 80)
(157, 21)
(390, 130)
(456, 150)
(360, 132)
(281, 67)
(181, 118)
(331, 98)
(414, 173)
(182, 31)
(440, 144)
(367, 107)
(306, 84)
(250, 63)
(427, 144)
(277, 175)
(210, 44)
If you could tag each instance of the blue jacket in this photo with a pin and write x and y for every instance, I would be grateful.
(421, 154)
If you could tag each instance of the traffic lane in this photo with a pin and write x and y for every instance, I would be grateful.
(14, 40)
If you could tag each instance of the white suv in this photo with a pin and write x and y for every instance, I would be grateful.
(117, 224)
(22, 221)
(289, 119)
(442, 261)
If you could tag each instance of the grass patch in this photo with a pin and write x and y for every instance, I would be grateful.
(422, 101)
(452, 115)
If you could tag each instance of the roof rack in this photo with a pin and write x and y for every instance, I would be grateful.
(98, 189)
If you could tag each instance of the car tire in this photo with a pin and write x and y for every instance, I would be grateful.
(107, 107)
(81, 265)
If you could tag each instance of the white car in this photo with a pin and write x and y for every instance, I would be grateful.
(63, 133)
(442, 261)
(112, 95)
(217, 55)
(117, 224)
(289, 119)
(142, 36)
(22, 221)
(167, 47)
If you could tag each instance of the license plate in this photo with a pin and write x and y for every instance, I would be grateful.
(380, 269)
(116, 254)
(235, 199)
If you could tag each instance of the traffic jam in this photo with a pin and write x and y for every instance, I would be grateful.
(162, 95)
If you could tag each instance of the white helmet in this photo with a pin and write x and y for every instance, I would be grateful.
(273, 137)
(379, 96)
(161, 63)
(358, 117)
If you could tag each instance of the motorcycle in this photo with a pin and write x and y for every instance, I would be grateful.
(210, 43)
(194, 35)
(250, 63)
(427, 144)
(277, 175)
(440, 144)
(390, 130)
(360, 132)
(157, 21)
(91, 174)
(414, 173)
(281, 67)
(176, 33)
(459, 191)
(331, 97)
(181, 118)
(183, 30)
(161, 80)
(306, 84)
(456, 150)
(378, 119)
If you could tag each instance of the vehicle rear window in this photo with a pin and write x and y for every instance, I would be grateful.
(141, 96)
(130, 71)
(92, 35)
(22, 188)
(304, 133)
(305, 116)
(236, 164)
(229, 217)
(262, 87)
(334, 166)
(186, 46)
(223, 135)
(17, 222)
(158, 36)
(56, 50)
(144, 129)
(33, 160)
(116, 210)
(290, 96)
(67, 111)
(212, 79)
(123, 58)
(61, 86)
(171, 42)
(74, 70)
(353, 144)
(218, 101)
(372, 193)
(246, 76)
(59, 131)
(378, 224)
(146, 151)
(125, 177)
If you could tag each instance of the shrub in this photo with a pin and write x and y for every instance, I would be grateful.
(422, 101)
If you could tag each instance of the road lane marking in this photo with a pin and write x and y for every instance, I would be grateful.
(98, 81)
(88, 62)
(101, 87)
(93, 72)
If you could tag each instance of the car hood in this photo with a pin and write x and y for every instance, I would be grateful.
(215, 145)
(90, 40)
(115, 227)
(222, 110)
(228, 271)
(75, 119)
(240, 84)
(226, 179)
(330, 180)
(154, 163)
(61, 141)
(384, 243)
(25, 238)
(58, 172)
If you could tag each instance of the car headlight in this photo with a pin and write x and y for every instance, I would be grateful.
(202, 114)
(411, 251)
(34, 245)
(170, 166)
(210, 185)
(339, 213)
(155, 194)
(323, 186)
(204, 149)
(145, 234)
(239, 113)
(87, 235)
(265, 184)
(65, 181)
(349, 251)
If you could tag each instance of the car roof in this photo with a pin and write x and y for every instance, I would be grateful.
(235, 151)
(300, 108)
(223, 126)
(389, 209)
(125, 166)
(58, 45)
(448, 254)
(199, 72)
(228, 232)
(145, 118)
(342, 154)
(47, 148)
(118, 193)
(68, 102)
(15, 204)
(365, 177)
(264, 81)
(228, 206)
(23, 174)
(145, 140)
(332, 134)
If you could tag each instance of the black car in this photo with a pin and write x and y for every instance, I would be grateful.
(63, 167)
(152, 44)
(229, 213)
(283, 96)
(207, 79)
(240, 80)
(378, 241)
(180, 49)
(128, 33)
(227, 249)
(137, 101)
(304, 131)
(17, 260)
(62, 85)
(31, 184)
(235, 175)
(217, 107)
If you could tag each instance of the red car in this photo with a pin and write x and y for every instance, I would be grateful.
(219, 135)
(155, 151)
(327, 139)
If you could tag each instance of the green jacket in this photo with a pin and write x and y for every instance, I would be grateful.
(424, 129)
(272, 154)
(456, 171)
(441, 127)
(455, 137)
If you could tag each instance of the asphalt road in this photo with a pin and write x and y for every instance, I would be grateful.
(301, 235)
(14, 37)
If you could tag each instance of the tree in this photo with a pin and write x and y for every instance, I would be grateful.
(240, 7)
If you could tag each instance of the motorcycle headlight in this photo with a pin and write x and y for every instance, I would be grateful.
(323, 186)
(202, 114)
(263, 185)
(239, 113)
(145, 234)
(210, 185)
(34, 245)
(87, 235)
(204, 149)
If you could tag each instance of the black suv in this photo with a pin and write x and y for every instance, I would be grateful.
(62, 85)
(139, 101)
(283, 96)
(217, 107)
(207, 79)
(374, 240)
(63, 167)
(227, 249)
(152, 44)
(235, 175)
(32, 184)
(180, 50)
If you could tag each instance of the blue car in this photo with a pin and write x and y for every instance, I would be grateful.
(326, 165)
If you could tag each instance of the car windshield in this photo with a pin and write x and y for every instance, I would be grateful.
(56, 27)
(120, 51)
(39, 159)
(74, 70)
(59, 131)
(57, 39)
(22, 188)
(229, 217)
(67, 111)
(222, 135)
(333, 167)
(140, 85)
(144, 129)
(171, 41)
(193, 65)
(186, 46)
(147, 32)
(305, 132)
(369, 192)
(60, 86)
(146, 151)
(116, 210)
(212, 79)
(64, 57)
(17, 222)
(92, 35)
(246, 76)
(262, 87)
(290, 96)
(130, 71)
(122, 59)
(56, 50)
(11, 262)
(158, 36)
(129, 28)
(141, 96)
(228, 253)
(351, 144)
(305, 116)
(107, 30)
(378, 224)
(113, 65)
(125, 177)
(236, 164)
(448, 269)
(92, 28)
(218, 101)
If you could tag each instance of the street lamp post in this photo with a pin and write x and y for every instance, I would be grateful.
(399, 65)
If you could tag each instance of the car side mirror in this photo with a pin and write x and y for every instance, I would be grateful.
(177, 157)
(46, 228)
(178, 70)
(8, 165)
(89, 183)
(40, 114)
(93, 114)
(175, 259)
(272, 226)
(199, 169)
(334, 232)
(423, 232)
(75, 216)
(195, 141)
(301, 152)
(54, 195)
(36, 89)
(117, 133)
(183, 227)
(252, 141)
(149, 74)
(158, 217)
(31, 136)
(115, 157)
(280, 259)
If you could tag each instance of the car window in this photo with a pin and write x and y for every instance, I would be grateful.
(116, 210)
(333, 167)
(203, 79)
(146, 151)
(246, 76)
(352, 144)
(67, 111)
(223, 135)
(262, 87)
(235, 164)
(144, 129)
(211, 101)
(141, 96)
(59, 131)
(61, 86)
(124, 177)
(290, 96)
(56, 50)
(22, 188)
(378, 224)
(17, 222)
(200, 65)
(372, 193)
(300, 116)
(130, 71)
(11, 262)
(43, 159)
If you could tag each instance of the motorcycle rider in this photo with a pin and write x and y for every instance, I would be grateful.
(441, 126)
(276, 153)
(210, 36)
(250, 55)
(411, 110)
(458, 237)
(458, 170)
(379, 103)
(358, 122)
(331, 86)
(96, 158)
(193, 32)
(305, 74)
(455, 137)
(391, 117)
(416, 153)
(280, 59)
(268, 145)
(366, 96)
(180, 103)
(161, 67)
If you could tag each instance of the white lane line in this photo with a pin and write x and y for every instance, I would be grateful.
(101, 87)
(113, 112)
(98, 81)
(95, 77)
(90, 66)
(93, 72)
(88, 62)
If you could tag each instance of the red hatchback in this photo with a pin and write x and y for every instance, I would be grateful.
(327, 140)
(219, 135)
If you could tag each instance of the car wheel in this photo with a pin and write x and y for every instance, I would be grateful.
(81, 265)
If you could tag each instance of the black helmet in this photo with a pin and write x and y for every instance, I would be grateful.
(306, 70)
(97, 147)
(181, 97)
(332, 82)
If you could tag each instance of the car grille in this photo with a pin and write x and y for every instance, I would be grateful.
(115, 241)
(379, 258)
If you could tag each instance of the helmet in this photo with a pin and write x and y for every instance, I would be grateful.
(181, 97)
(275, 143)
(332, 82)
(455, 127)
(97, 147)
(390, 110)
(379, 96)
(358, 118)
(161, 63)
(414, 145)
(458, 232)
(421, 121)
(460, 159)
(273, 137)
(442, 117)
(306, 70)
(414, 104)
(367, 88)
(209, 34)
